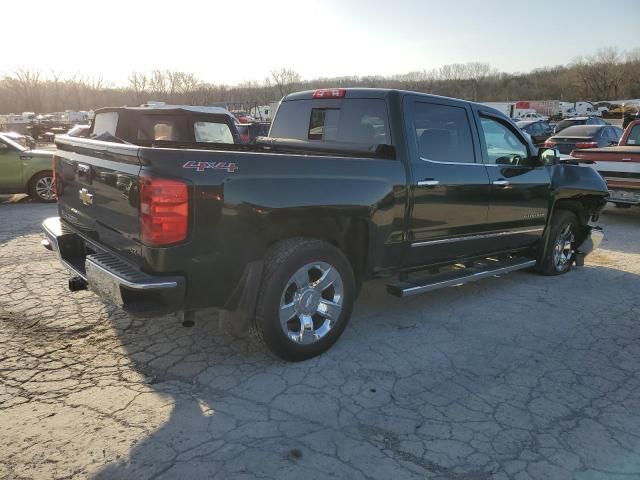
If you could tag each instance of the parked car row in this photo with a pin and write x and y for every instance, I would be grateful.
(619, 165)
(538, 130)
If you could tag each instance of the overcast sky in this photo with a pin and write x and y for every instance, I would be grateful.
(232, 41)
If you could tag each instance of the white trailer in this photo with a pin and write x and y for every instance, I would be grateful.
(508, 108)
(264, 112)
(579, 109)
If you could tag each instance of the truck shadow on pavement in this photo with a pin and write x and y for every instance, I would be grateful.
(21, 219)
(520, 373)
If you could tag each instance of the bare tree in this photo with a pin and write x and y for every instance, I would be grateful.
(609, 74)
(600, 74)
(285, 80)
(138, 83)
(27, 85)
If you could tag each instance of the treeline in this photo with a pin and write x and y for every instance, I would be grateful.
(609, 74)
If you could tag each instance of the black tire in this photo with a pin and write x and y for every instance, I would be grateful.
(37, 190)
(283, 260)
(551, 264)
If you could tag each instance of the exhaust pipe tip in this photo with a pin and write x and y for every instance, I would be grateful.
(77, 283)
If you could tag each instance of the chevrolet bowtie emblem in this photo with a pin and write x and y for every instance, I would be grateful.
(85, 196)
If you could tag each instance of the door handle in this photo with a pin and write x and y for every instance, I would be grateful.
(501, 183)
(428, 182)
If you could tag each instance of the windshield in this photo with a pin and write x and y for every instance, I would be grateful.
(567, 123)
(12, 143)
(581, 131)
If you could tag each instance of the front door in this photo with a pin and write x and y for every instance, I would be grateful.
(450, 185)
(10, 168)
(520, 185)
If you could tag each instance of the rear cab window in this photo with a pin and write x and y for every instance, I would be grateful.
(360, 121)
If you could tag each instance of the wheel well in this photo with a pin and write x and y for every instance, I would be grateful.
(577, 207)
(583, 208)
(30, 181)
(350, 235)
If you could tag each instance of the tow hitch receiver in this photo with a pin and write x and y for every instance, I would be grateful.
(77, 283)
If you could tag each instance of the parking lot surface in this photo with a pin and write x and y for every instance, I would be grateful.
(523, 377)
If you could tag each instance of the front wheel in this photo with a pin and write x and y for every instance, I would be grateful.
(306, 298)
(41, 187)
(560, 252)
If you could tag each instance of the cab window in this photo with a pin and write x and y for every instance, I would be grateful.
(443, 133)
(502, 146)
(212, 132)
(105, 122)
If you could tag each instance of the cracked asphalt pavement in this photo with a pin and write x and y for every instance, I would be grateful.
(519, 377)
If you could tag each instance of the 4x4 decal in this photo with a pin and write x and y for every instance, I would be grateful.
(202, 166)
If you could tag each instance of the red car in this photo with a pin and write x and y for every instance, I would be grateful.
(242, 116)
(619, 165)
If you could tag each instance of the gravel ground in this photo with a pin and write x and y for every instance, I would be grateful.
(522, 377)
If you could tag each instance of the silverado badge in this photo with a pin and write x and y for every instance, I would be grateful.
(85, 197)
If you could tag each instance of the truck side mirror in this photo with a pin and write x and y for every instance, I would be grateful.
(548, 156)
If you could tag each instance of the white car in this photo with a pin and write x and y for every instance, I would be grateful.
(531, 116)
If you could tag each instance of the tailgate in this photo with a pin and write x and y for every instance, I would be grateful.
(98, 190)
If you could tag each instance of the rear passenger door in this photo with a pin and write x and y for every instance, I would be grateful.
(449, 187)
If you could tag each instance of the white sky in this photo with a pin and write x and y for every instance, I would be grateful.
(232, 41)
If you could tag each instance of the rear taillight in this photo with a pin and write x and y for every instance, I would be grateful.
(164, 211)
(330, 93)
(549, 144)
(586, 144)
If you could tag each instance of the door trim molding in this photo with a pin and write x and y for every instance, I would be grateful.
(476, 237)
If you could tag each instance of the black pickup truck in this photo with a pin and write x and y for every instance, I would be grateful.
(351, 184)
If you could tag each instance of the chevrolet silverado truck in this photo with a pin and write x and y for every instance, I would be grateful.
(619, 165)
(350, 185)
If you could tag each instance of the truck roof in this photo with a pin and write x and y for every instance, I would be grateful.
(380, 93)
(160, 108)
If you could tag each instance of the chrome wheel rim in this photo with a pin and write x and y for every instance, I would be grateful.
(311, 303)
(563, 248)
(44, 188)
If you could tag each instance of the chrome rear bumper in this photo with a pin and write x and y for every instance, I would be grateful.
(111, 277)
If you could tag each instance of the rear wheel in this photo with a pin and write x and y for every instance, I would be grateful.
(562, 243)
(41, 187)
(305, 299)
